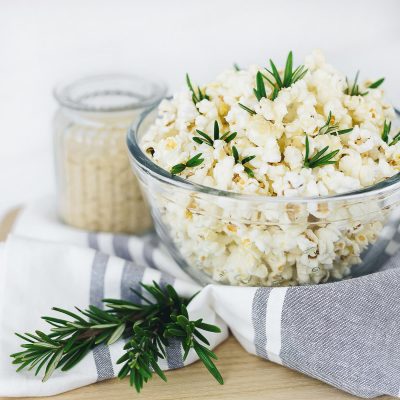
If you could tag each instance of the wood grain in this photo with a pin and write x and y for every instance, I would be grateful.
(246, 377)
(7, 222)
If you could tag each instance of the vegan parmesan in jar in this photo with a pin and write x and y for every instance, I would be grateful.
(97, 190)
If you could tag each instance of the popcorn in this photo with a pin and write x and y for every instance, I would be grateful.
(283, 243)
(293, 157)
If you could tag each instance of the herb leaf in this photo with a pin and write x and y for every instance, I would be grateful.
(354, 90)
(235, 154)
(196, 97)
(290, 76)
(320, 158)
(148, 327)
(236, 67)
(249, 110)
(376, 84)
(332, 128)
(259, 91)
(386, 131)
(387, 126)
(395, 140)
(227, 136)
(193, 162)
(206, 138)
(178, 168)
(244, 161)
(216, 130)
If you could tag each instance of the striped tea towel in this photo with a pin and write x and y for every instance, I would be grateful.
(346, 333)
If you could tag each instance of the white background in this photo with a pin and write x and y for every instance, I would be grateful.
(43, 41)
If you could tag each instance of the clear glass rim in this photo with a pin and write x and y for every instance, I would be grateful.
(386, 186)
(62, 92)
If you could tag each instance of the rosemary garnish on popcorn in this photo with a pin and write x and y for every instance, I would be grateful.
(332, 128)
(227, 136)
(243, 161)
(376, 84)
(354, 90)
(386, 131)
(196, 97)
(259, 90)
(147, 328)
(320, 158)
(387, 126)
(290, 76)
(249, 110)
(193, 162)
(395, 140)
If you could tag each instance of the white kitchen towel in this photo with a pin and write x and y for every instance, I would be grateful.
(345, 333)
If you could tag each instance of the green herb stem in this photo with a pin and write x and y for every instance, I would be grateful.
(332, 128)
(243, 161)
(193, 162)
(148, 328)
(204, 138)
(320, 158)
(196, 95)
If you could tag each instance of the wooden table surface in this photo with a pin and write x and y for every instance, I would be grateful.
(246, 377)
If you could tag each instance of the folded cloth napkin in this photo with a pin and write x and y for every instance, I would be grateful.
(346, 333)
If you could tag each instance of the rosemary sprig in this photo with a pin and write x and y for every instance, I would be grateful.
(243, 161)
(387, 126)
(376, 84)
(249, 110)
(332, 128)
(227, 136)
(290, 76)
(395, 140)
(320, 158)
(354, 90)
(259, 90)
(148, 328)
(193, 162)
(196, 97)
(386, 131)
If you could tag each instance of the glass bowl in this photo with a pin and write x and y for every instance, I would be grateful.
(231, 238)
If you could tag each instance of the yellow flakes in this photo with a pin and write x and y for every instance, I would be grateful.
(231, 228)
(171, 144)
(223, 109)
(188, 214)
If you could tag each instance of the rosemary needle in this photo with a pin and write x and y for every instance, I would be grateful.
(320, 158)
(193, 162)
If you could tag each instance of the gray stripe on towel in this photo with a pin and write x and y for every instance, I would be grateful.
(174, 350)
(99, 266)
(93, 242)
(101, 354)
(332, 332)
(132, 275)
(150, 243)
(259, 320)
(121, 247)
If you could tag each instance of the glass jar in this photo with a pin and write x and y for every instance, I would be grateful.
(96, 188)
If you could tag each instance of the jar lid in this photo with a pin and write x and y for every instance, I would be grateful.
(109, 93)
